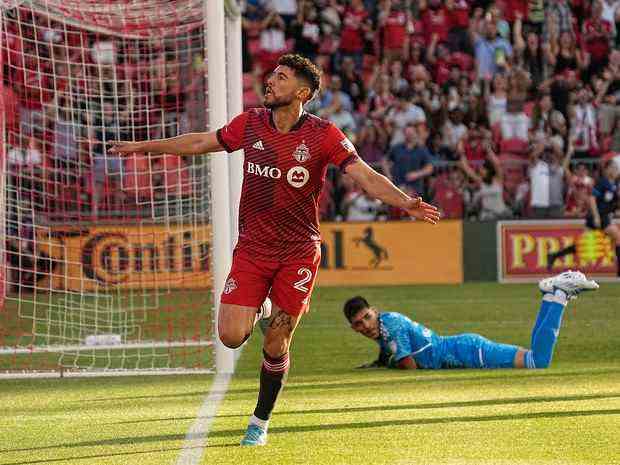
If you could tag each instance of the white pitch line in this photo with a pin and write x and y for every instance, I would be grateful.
(196, 438)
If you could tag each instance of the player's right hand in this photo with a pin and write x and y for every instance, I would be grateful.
(597, 221)
(375, 364)
(122, 147)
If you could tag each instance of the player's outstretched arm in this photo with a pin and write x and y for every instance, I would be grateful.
(187, 144)
(378, 186)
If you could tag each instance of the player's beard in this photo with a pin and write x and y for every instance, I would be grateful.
(277, 102)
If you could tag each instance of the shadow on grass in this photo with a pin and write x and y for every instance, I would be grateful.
(385, 408)
(111, 455)
(323, 427)
(420, 376)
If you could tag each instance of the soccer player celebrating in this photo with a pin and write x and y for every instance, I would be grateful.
(408, 345)
(603, 203)
(287, 152)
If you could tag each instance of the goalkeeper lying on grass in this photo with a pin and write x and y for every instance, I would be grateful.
(406, 344)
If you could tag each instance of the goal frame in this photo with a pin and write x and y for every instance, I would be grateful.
(224, 94)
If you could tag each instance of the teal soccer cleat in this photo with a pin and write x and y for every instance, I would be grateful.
(254, 436)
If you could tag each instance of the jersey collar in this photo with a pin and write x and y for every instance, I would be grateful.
(295, 127)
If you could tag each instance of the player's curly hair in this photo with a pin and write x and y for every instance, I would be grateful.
(354, 305)
(304, 69)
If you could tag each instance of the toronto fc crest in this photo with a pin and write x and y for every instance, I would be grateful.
(301, 153)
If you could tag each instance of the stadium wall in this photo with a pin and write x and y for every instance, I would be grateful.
(153, 256)
(480, 251)
(385, 253)
(353, 254)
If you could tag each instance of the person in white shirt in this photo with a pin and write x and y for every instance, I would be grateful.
(548, 174)
(400, 116)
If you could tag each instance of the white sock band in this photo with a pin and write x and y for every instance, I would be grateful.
(254, 420)
(560, 297)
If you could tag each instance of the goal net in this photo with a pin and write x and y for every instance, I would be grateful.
(106, 260)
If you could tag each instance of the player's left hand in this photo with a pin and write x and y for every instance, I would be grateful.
(421, 210)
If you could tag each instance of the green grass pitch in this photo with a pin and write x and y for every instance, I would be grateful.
(330, 413)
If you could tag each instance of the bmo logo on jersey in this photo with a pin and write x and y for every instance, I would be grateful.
(298, 176)
(264, 171)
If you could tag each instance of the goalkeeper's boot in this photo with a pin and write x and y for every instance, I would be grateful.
(254, 436)
(263, 315)
(571, 282)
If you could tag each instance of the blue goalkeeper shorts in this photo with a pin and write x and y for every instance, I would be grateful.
(474, 351)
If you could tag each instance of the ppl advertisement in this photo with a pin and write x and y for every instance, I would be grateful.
(523, 248)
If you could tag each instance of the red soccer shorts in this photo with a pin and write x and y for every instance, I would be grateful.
(289, 284)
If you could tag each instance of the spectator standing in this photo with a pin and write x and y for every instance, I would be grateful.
(489, 196)
(596, 35)
(579, 191)
(558, 19)
(285, 9)
(547, 180)
(548, 124)
(306, 31)
(584, 124)
(355, 25)
(453, 131)
(563, 53)
(272, 42)
(394, 23)
(497, 98)
(357, 206)
(492, 52)
(335, 89)
(371, 143)
(411, 162)
(435, 19)
(529, 54)
(341, 117)
(608, 99)
(401, 115)
(352, 82)
(458, 20)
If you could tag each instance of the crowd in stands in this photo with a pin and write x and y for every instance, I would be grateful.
(490, 109)
(69, 91)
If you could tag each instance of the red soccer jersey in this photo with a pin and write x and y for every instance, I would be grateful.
(436, 22)
(352, 36)
(395, 30)
(596, 38)
(283, 174)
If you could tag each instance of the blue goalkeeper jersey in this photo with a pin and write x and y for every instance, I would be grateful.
(400, 337)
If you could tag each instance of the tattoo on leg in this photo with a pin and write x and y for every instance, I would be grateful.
(282, 320)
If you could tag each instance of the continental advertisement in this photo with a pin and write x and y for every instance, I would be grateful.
(128, 257)
(523, 246)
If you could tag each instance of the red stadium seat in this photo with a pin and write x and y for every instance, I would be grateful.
(137, 179)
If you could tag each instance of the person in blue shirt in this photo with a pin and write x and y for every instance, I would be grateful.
(411, 162)
(493, 52)
(603, 203)
(407, 344)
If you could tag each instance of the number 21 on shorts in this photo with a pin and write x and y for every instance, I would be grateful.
(306, 275)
